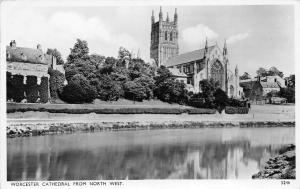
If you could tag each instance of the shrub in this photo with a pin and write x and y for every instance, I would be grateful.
(236, 110)
(56, 83)
(15, 87)
(220, 99)
(107, 88)
(78, 90)
(43, 90)
(31, 89)
(134, 91)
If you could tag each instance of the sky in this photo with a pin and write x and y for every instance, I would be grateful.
(257, 35)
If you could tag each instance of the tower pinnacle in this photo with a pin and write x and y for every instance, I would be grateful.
(175, 17)
(152, 17)
(160, 14)
(168, 19)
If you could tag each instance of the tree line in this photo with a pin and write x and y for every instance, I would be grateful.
(95, 76)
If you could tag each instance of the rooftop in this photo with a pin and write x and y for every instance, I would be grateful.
(187, 57)
(28, 55)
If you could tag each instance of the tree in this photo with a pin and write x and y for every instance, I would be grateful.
(79, 51)
(261, 72)
(78, 90)
(124, 53)
(220, 99)
(56, 83)
(57, 55)
(167, 88)
(97, 60)
(208, 89)
(107, 88)
(134, 91)
(274, 71)
(245, 76)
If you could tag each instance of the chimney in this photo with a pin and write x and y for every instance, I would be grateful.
(13, 43)
(39, 47)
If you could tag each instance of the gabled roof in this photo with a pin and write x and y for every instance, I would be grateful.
(269, 85)
(175, 72)
(29, 55)
(187, 57)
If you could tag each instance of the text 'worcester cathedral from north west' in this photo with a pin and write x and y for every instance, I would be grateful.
(209, 62)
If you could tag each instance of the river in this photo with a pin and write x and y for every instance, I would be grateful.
(210, 153)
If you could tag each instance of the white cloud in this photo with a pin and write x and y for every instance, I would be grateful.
(194, 37)
(238, 37)
(61, 29)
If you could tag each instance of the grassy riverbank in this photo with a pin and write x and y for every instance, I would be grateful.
(101, 107)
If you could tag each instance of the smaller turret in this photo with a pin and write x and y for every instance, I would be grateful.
(160, 14)
(236, 70)
(152, 17)
(175, 17)
(168, 19)
(206, 47)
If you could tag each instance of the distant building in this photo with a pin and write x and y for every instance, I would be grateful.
(257, 89)
(30, 62)
(208, 63)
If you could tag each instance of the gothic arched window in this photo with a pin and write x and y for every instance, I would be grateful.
(217, 73)
(171, 36)
(166, 35)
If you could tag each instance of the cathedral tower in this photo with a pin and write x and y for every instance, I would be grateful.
(164, 38)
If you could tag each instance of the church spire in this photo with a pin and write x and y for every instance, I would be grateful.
(160, 14)
(168, 19)
(175, 17)
(236, 70)
(152, 17)
(225, 49)
(206, 47)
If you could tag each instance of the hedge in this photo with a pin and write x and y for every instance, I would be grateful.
(236, 110)
(56, 83)
(31, 89)
(15, 87)
(43, 90)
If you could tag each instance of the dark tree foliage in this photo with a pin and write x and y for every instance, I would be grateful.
(208, 88)
(15, 87)
(31, 89)
(78, 91)
(262, 72)
(168, 89)
(288, 93)
(148, 85)
(97, 60)
(107, 88)
(134, 91)
(9, 86)
(80, 51)
(221, 99)
(43, 90)
(245, 76)
(57, 54)
(56, 83)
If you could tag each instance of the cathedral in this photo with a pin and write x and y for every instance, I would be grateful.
(209, 62)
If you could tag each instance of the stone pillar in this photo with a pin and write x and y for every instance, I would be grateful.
(39, 80)
(24, 79)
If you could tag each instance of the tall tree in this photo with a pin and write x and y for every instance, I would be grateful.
(274, 71)
(261, 72)
(246, 75)
(79, 51)
(57, 55)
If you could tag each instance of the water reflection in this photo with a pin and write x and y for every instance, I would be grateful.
(154, 154)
